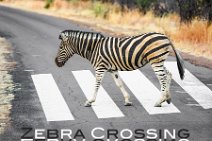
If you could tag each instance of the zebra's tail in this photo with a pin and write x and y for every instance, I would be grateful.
(180, 63)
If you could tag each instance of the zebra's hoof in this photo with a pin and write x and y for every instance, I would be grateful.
(157, 105)
(168, 100)
(87, 104)
(128, 104)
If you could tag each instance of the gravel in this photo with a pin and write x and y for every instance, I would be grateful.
(6, 84)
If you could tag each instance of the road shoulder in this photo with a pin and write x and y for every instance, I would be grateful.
(6, 84)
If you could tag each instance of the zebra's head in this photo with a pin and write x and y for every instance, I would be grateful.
(65, 50)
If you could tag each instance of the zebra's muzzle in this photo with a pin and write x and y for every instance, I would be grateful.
(59, 64)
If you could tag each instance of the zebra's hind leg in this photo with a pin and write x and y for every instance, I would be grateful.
(119, 84)
(99, 77)
(164, 77)
(169, 78)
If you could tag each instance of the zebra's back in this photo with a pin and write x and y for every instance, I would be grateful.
(134, 52)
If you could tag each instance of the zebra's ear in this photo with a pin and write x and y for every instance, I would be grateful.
(63, 37)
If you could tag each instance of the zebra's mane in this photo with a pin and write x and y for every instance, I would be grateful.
(76, 32)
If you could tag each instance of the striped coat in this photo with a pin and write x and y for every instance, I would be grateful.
(134, 52)
(114, 54)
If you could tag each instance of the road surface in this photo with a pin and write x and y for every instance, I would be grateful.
(52, 98)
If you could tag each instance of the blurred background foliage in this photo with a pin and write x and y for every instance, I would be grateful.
(186, 22)
(187, 9)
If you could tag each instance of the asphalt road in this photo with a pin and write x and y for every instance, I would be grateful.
(35, 42)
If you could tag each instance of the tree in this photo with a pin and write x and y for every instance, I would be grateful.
(188, 9)
(208, 4)
(145, 5)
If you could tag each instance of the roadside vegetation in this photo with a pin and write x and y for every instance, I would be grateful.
(6, 84)
(188, 24)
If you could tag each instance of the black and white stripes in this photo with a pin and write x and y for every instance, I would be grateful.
(120, 54)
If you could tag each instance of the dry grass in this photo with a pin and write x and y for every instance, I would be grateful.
(6, 85)
(194, 38)
(195, 32)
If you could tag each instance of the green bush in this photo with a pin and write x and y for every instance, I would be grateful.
(100, 9)
(48, 3)
(145, 5)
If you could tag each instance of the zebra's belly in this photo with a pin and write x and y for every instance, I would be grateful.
(121, 67)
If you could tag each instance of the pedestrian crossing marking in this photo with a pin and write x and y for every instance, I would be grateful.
(53, 103)
(146, 93)
(104, 107)
(192, 85)
(56, 109)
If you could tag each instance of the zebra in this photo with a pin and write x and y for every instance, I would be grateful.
(113, 54)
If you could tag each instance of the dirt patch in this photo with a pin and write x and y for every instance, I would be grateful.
(6, 84)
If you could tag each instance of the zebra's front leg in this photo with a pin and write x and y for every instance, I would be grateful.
(119, 84)
(99, 77)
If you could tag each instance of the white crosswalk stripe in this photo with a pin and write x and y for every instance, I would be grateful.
(53, 104)
(104, 107)
(192, 85)
(56, 109)
(146, 92)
